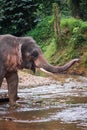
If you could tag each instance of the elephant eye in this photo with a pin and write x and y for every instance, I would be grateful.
(35, 53)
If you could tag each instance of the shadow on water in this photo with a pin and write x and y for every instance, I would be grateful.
(61, 106)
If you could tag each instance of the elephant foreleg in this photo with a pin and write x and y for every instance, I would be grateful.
(1, 79)
(2, 73)
(12, 81)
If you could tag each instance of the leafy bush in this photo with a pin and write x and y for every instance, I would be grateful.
(77, 30)
(51, 49)
(16, 17)
(70, 23)
(85, 60)
(19, 16)
(77, 40)
(43, 30)
(83, 27)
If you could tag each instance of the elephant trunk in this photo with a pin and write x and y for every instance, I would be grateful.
(41, 62)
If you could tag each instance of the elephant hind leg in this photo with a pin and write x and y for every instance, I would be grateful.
(12, 81)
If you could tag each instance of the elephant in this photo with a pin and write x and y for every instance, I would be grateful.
(22, 52)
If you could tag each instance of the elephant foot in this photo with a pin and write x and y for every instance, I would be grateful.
(14, 106)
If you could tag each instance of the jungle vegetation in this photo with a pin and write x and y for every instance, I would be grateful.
(58, 26)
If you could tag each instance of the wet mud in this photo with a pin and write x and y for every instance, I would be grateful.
(61, 105)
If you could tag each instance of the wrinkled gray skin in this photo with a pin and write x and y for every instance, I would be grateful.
(18, 53)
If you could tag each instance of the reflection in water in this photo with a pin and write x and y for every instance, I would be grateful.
(60, 106)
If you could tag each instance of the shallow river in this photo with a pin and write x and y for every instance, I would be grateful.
(61, 106)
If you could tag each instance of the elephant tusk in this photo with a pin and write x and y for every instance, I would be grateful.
(45, 71)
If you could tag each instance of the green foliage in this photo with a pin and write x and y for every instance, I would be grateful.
(43, 31)
(50, 50)
(64, 8)
(83, 27)
(70, 23)
(16, 17)
(77, 29)
(85, 59)
(74, 34)
(83, 9)
(44, 8)
(79, 8)
(75, 7)
(77, 39)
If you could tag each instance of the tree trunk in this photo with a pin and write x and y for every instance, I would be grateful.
(56, 21)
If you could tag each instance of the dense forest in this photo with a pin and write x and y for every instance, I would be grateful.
(58, 26)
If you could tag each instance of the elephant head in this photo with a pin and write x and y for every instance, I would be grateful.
(33, 58)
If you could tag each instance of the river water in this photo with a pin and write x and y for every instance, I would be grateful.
(59, 106)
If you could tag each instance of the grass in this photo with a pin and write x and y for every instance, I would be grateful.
(43, 31)
(51, 50)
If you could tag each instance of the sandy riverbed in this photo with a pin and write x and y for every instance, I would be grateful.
(28, 80)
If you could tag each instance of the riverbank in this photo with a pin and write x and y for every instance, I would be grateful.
(28, 80)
